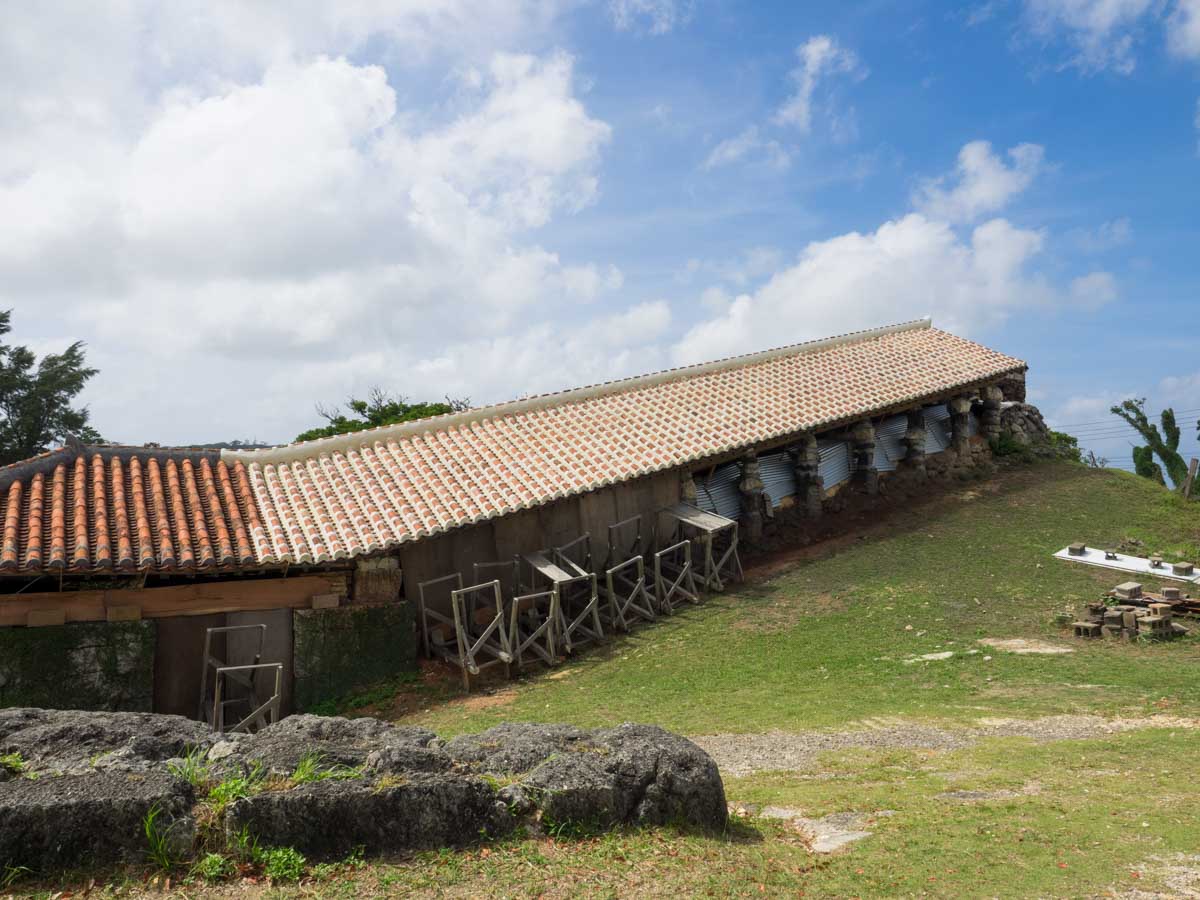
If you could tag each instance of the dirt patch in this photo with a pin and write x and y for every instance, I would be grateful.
(779, 751)
(1023, 646)
(489, 701)
(1179, 873)
(782, 612)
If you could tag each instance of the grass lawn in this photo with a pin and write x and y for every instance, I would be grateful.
(819, 641)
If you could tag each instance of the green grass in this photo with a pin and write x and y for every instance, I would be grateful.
(822, 643)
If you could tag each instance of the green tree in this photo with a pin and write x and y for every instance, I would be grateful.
(380, 408)
(1164, 444)
(36, 410)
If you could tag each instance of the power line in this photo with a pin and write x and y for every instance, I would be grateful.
(1178, 412)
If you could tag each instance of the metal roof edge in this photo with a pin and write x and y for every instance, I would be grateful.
(354, 440)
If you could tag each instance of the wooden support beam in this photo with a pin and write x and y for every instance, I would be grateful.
(202, 598)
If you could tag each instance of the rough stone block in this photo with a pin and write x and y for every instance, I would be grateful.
(1077, 549)
(1128, 590)
(1172, 593)
(331, 818)
(95, 819)
(1182, 568)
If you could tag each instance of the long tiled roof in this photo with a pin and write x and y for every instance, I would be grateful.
(334, 498)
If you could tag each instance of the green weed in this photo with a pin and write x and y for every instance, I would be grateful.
(13, 763)
(236, 787)
(214, 867)
(192, 768)
(158, 839)
(282, 864)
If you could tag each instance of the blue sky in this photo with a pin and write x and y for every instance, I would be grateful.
(247, 210)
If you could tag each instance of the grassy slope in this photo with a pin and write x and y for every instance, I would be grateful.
(821, 643)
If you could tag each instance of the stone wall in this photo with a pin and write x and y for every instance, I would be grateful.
(1024, 423)
(83, 665)
(339, 650)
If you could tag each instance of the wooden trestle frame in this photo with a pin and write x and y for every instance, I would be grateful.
(628, 599)
(477, 623)
(246, 677)
(717, 539)
(533, 622)
(673, 580)
(578, 600)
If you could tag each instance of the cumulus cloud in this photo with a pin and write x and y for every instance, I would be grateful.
(821, 57)
(650, 16)
(982, 183)
(1094, 290)
(279, 225)
(907, 268)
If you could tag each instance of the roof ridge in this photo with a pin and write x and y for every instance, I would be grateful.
(356, 439)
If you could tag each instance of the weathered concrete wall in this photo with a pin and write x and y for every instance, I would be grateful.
(83, 665)
(339, 650)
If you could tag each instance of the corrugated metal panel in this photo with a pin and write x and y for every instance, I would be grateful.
(720, 493)
(835, 462)
(937, 428)
(889, 442)
(779, 476)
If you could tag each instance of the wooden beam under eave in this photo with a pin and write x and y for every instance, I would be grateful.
(198, 599)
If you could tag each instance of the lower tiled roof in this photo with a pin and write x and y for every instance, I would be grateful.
(126, 509)
(136, 509)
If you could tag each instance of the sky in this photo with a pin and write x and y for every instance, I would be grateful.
(249, 209)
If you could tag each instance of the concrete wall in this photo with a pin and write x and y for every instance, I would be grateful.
(83, 665)
(340, 650)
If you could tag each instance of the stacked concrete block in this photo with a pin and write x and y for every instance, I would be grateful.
(1140, 617)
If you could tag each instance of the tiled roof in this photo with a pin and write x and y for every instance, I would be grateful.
(360, 492)
(137, 509)
(126, 509)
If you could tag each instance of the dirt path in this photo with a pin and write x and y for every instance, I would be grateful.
(777, 751)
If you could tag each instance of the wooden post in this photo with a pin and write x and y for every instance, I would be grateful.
(1191, 478)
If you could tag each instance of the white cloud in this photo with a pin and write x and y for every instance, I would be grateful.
(1183, 29)
(984, 184)
(747, 145)
(1094, 290)
(907, 268)
(261, 218)
(820, 58)
(1102, 33)
(1105, 236)
(652, 16)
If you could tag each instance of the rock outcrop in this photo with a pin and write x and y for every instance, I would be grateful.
(87, 780)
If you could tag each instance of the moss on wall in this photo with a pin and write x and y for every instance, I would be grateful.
(83, 665)
(341, 649)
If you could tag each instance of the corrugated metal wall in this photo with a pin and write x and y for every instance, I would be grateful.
(719, 494)
(779, 476)
(835, 464)
(889, 443)
(937, 428)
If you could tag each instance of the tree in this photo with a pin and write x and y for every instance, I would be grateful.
(36, 398)
(1165, 448)
(380, 408)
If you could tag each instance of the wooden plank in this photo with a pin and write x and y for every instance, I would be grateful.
(598, 510)
(1191, 478)
(201, 598)
(518, 533)
(559, 523)
(468, 546)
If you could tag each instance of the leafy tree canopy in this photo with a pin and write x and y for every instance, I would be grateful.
(1164, 444)
(36, 398)
(380, 408)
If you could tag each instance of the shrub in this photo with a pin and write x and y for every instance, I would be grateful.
(283, 864)
(13, 763)
(214, 867)
(235, 787)
(1065, 446)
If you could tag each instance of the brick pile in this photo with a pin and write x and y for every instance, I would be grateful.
(1134, 615)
